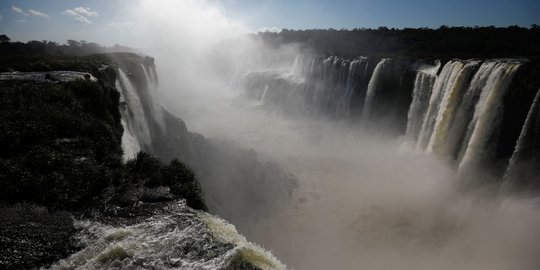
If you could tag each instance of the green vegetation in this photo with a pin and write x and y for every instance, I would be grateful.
(60, 143)
(72, 47)
(444, 42)
(150, 172)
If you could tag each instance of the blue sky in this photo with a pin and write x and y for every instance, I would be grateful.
(109, 22)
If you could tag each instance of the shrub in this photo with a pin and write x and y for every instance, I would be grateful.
(149, 171)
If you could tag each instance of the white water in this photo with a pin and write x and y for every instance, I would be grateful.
(298, 67)
(372, 88)
(486, 117)
(425, 78)
(345, 103)
(151, 89)
(180, 238)
(130, 144)
(134, 115)
(225, 232)
(264, 93)
(446, 77)
(452, 95)
(520, 145)
(334, 79)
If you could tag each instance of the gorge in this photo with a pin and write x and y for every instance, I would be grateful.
(369, 161)
(212, 144)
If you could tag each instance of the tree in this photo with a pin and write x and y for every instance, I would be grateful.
(443, 27)
(73, 43)
(4, 39)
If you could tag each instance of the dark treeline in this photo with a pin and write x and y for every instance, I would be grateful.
(72, 47)
(462, 42)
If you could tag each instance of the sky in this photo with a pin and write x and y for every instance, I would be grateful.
(112, 21)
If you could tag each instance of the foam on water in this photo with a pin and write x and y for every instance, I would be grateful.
(178, 238)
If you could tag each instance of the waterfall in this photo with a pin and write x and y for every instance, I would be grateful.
(425, 78)
(351, 84)
(342, 107)
(486, 116)
(445, 78)
(141, 115)
(526, 138)
(372, 88)
(298, 67)
(322, 89)
(130, 144)
(323, 86)
(156, 110)
(457, 133)
(453, 93)
(452, 110)
(264, 93)
(133, 113)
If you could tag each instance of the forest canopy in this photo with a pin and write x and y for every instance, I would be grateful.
(461, 42)
(443, 42)
(72, 47)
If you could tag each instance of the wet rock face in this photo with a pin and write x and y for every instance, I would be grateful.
(31, 236)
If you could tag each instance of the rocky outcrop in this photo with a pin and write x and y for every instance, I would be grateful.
(70, 144)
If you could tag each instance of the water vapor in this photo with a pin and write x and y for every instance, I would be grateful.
(364, 201)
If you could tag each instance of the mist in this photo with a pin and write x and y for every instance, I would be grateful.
(364, 199)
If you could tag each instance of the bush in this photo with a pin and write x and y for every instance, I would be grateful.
(183, 183)
(149, 171)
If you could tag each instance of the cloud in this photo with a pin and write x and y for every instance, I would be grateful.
(80, 14)
(37, 13)
(20, 21)
(18, 10)
(84, 11)
(0, 16)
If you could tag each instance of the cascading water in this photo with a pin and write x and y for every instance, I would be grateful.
(133, 113)
(527, 142)
(445, 78)
(453, 93)
(151, 84)
(142, 117)
(298, 68)
(264, 93)
(448, 115)
(425, 78)
(312, 85)
(351, 84)
(372, 88)
(130, 143)
(458, 131)
(178, 238)
(487, 116)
